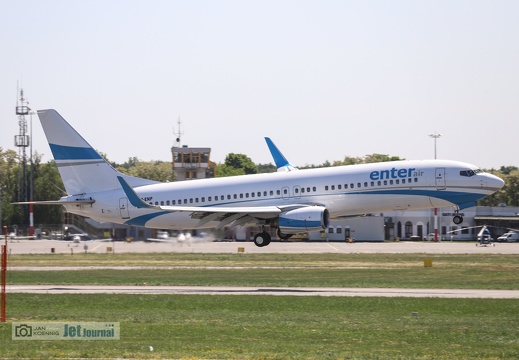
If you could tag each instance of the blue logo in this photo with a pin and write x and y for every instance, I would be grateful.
(395, 173)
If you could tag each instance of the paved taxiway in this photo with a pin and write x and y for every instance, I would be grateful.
(98, 246)
(61, 247)
(278, 291)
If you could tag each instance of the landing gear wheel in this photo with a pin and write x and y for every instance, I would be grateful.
(457, 219)
(283, 236)
(262, 239)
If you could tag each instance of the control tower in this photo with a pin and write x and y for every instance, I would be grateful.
(190, 163)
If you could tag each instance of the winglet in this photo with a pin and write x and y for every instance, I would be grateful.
(135, 200)
(281, 162)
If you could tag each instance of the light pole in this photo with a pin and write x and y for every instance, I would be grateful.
(435, 136)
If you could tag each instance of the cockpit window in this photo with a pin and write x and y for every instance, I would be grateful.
(469, 173)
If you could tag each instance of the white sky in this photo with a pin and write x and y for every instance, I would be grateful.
(323, 79)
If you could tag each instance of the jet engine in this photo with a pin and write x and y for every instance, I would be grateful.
(302, 219)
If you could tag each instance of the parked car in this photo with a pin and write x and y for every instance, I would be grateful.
(511, 236)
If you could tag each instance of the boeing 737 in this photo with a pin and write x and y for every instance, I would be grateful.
(291, 200)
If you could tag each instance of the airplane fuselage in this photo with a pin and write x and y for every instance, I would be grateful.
(343, 191)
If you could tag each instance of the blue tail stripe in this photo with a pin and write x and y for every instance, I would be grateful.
(62, 152)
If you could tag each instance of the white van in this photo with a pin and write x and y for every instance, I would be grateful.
(511, 236)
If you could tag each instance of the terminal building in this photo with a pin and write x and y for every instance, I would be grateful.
(416, 225)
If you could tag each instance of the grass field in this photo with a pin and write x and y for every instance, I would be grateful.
(273, 327)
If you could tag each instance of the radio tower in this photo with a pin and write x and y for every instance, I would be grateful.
(22, 141)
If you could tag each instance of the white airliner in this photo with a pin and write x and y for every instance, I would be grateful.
(290, 200)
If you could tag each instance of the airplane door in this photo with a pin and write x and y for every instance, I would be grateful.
(123, 207)
(440, 179)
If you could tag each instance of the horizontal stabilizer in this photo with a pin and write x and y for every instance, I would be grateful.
(58, 202)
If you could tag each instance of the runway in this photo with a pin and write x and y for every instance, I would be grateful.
(275, 291)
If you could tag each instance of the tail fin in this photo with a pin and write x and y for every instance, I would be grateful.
(82, 169)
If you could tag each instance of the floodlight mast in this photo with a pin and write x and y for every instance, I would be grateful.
(22, 141)
(435, 136)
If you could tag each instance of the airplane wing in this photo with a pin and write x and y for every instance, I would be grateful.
(224, 214)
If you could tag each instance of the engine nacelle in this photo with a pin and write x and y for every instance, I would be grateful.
(302, 219)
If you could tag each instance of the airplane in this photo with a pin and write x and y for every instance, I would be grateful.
(290, 200)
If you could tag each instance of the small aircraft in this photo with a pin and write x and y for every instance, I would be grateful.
(290, 201)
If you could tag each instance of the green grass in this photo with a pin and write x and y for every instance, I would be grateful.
(264, 260)
(271, 327)
(325, 270)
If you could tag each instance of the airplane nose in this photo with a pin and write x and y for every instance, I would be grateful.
(495, 182)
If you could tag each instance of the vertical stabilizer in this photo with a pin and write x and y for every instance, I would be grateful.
(82, 169)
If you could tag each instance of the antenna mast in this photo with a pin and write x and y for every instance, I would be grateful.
(178, 134)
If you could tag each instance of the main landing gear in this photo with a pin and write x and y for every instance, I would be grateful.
(457, 219)
(262, 239)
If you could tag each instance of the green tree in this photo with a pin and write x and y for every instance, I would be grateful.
(152, 170)
(236, 164)
(266, 168)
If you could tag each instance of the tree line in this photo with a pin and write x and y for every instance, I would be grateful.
(47, 184)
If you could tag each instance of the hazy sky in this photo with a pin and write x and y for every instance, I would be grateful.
(323, 79)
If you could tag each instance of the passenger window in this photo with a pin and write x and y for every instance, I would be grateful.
(333, 187)
(167, 203)
(326, 188)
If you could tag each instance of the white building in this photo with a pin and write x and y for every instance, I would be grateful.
(407, 225)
